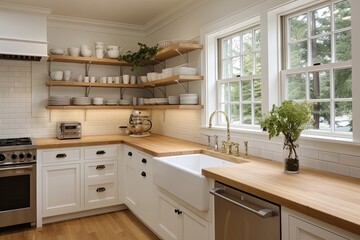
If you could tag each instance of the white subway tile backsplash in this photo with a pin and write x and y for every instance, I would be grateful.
(339, 169)
(309, 153)
(355, 172)
(328, 156)
(320, 165)
(349, 160)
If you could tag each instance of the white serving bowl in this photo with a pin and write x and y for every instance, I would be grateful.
(57, 51)
(124, 102)
(85, 52)
(152, 76)
(74, 51)
(174, 100)
(164, 43)
(113, 53)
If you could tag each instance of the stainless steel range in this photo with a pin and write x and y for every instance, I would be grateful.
(17, 181)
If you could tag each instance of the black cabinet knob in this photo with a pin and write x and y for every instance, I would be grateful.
(143, 174)
(144, 160)
(130, 154)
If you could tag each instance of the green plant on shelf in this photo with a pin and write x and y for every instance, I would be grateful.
(144, 55)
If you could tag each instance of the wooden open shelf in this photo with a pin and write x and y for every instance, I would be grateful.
(92, 107)
(162, 55)
(160, 82)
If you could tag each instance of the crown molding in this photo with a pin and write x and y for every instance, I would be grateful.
(91, 25)
(171, 15)
(24, 8)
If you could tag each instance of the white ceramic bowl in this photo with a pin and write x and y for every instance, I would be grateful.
(164, 43)
(85, 52)
(74, 51)
(113, 53)
(124, 102)
(57, 51)
(152, 76)
(173, 100)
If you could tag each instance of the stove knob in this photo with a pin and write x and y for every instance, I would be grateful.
(13, 156)
(29, 155)
(21, 155)
(2, 157)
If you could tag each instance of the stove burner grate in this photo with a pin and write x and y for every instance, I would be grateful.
(15, 142)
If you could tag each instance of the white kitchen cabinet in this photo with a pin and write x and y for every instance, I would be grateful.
(297, 226)
(61, 189)
(139, 187)
(176, 222)
(77, 179)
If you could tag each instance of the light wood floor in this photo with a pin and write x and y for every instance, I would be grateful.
(122, 225)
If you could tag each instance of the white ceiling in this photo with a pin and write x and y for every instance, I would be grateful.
(137, 12)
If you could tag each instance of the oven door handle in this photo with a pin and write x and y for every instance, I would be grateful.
(30, 167)
(265, 213)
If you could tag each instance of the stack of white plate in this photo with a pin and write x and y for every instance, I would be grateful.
(82, 101)
(124, 102)
(98, 101)
(189, 99)
(111, 102)
(59, 101)
(174, 100)
(147, 101)
(152, 76)
(185, 71)
(167, 72)
(152, 101)
(161, 101)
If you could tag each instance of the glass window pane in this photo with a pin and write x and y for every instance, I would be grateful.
(257, 39)
(235, 113)
(257, 89)
(235, 46)
(226, 69)
(298, 27)
(343, 85)
(343, 116)
(221, 118)
(246, 113)
(257, 63)
(298, 54)
(226, 48)
(247, 43)
(320, 21)
(343, 46)
(234, 92)
(321, 116)
(342, 14)
(224, 92)
(235, 67)
(247, 65)
(319, 85)
(246, 90)
(296, 86)
(321, 50)
(258, 114)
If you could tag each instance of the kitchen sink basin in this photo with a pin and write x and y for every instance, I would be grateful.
(181, 176)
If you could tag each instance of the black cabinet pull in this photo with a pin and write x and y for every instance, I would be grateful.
(61, 155)
(101, 189)
(178, 211)
(100, 167)
(143, 174)
(144, 160)
(100, 152)
(130, 154)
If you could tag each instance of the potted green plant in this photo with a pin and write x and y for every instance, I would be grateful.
(144, 55)
(290, 119)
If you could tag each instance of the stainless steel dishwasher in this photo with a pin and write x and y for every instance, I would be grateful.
(241, 216)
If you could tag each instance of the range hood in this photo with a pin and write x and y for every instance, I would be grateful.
(23, 34)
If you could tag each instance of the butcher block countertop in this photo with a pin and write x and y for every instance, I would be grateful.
(328, 197)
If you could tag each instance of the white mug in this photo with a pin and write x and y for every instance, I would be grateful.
(57, 75)
(140, 101)
(80, 78)
(133, 79)
(134, 101)
(86, 79)
(109, 79)
(103, 79)
(67, 75)
(126, 79)
(117, 80)
(92, 79)
(99, 53)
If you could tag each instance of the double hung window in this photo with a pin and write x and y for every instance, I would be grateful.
(239, 79)
(317, 64)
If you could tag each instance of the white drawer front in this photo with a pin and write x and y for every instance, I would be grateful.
(145, 162)
(100, 169)
(101, 152)
(100, 193)
(61, 155)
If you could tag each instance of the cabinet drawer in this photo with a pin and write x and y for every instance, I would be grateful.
(100, 169)
(100, 193)
(61, 155)
(101, 152)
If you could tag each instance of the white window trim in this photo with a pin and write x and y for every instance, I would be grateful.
(268, 13)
